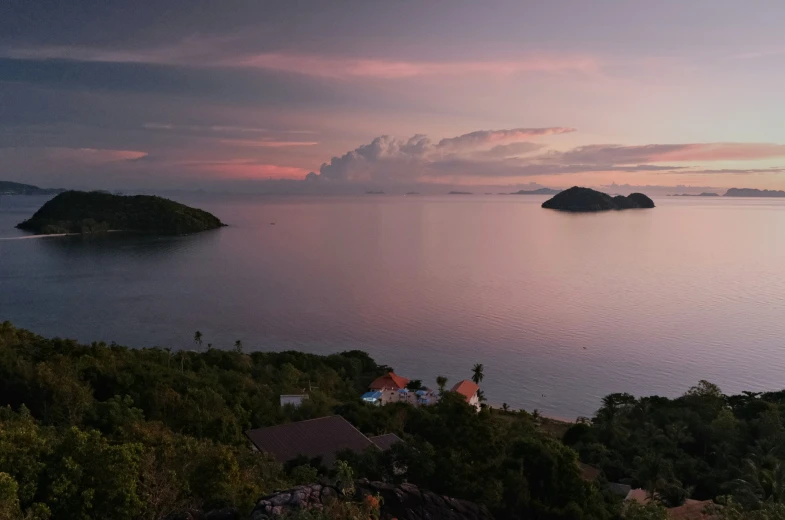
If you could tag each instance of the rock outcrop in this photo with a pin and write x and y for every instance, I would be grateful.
(404, 502)
(577, 199)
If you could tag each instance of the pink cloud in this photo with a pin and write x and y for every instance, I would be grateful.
(89, 155)
(265, 143)
(342, 67)
(651, 153)
(216, 54)
(246, 169)
(485, 137)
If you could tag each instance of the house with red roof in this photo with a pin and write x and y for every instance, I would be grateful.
(391, 388)
(469, 390)
(389, 381)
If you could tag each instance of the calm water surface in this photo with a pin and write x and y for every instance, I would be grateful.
(561, 309)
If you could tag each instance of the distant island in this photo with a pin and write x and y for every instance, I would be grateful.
(704, 194)
(577, 199)
(371, 192)
(540, 191)
(460, 193)
(95, 212)
(752, 192)
(16, 188)
(412, 192)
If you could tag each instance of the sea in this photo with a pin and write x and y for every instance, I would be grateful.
(561, 309)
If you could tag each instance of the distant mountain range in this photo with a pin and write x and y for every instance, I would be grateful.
(704, 194)
(751, 192)
(16, 188)
(541, 191)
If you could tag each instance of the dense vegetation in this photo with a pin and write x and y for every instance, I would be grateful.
(102, 431)
(577, 199)
(702, 445)
(91, 212)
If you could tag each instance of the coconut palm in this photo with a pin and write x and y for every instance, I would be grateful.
(477, 375)
(505, 407)
(238, 346)
(441, 382)
(198, 338)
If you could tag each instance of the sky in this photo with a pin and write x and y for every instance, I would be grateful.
(339, 97)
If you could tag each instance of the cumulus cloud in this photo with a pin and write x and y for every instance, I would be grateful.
(483, 137)
(388, 158)
(511, 153)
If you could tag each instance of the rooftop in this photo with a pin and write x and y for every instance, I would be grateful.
(391, 380)
(315, 438)
(386, 441)
(466, 388)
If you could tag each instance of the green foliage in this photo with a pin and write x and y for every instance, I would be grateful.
(93, 212)
(97, 431)
(633, 510)
(703, 444)
(730, 510)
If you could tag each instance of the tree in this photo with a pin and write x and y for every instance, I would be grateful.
(414, 384)
(441, 382)
(505, 407)
(238, 346)
(477, 373)
(198, 338)
(633, 510)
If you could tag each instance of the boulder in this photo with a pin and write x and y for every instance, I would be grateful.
(403, 502)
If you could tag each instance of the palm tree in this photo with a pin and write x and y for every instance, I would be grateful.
(198, 338)
(441, 382)
(481, 396)
(505, 407)
(477, 374)
(238, 346)
(209, 346)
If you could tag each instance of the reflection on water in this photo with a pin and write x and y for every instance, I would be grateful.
(562, 309)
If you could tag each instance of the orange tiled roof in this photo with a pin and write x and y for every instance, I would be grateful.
(391, 380)
(691, 510)
(466, 388)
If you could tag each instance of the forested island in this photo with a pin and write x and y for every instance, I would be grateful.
(703, 194)
(17, 188)
(104, 431)
(95, 212)
(577, 199)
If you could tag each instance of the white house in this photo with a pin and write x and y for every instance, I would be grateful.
(295, 400)
(468, 389)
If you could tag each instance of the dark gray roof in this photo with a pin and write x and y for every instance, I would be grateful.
(385, 441)
(323, 437)
(619, 489)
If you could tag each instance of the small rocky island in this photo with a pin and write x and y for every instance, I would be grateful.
(95, 212)
(577, 199)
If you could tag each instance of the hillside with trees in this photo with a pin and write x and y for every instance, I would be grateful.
(104, 431)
